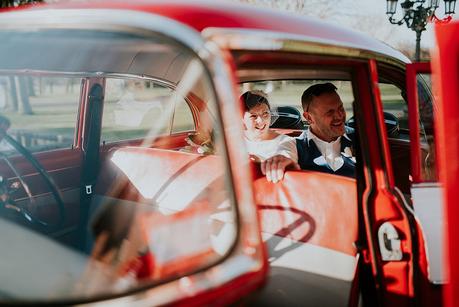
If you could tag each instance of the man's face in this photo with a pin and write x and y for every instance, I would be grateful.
(256, 122)
(326, 116)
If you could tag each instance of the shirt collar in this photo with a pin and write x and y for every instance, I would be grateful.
(311, 136)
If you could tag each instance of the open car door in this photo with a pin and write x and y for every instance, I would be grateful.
(426, 189)
(402, 271)
(156, 223)
(405, 229)
(446, 69)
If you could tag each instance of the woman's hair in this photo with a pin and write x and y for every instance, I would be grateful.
(253, 98)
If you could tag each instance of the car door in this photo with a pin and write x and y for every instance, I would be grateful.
(446, 70)
(193, 265)
(426, 189)
(390, 227)
(407, 232)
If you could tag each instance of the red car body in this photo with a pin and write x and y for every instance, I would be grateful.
(392, 254)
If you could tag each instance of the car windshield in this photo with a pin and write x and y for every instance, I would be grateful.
(113, 173)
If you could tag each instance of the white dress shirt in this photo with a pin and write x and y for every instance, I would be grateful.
(331, 151)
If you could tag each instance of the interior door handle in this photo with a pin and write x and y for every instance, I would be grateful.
(389, 243)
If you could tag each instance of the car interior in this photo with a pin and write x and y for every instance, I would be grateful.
(126, 134)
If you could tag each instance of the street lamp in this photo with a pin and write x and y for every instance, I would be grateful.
(416, 16)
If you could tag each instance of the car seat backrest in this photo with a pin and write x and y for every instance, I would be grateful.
(174, 193)
(168, 179)
(287, 117)
(310, 207)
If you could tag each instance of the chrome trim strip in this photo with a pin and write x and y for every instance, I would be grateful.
(83, 74)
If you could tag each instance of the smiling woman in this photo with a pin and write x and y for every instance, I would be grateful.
(262, 142)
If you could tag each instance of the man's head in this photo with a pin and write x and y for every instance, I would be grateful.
(323, 109)
(257, 115)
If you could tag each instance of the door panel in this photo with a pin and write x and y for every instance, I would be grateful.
(382, 203)
(310, 225)
(446, 67)
(426, 191)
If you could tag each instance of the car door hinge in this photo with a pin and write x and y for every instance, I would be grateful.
(363, 250)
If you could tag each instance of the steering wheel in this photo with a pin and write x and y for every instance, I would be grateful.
(5, 198)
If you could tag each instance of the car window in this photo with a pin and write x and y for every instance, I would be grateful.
(288, 92)
(133, 106)
(394, 103)
(114, 214)
(183, 118)
(42, 110)
(427, 137)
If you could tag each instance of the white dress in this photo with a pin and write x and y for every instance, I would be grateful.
(281, 145)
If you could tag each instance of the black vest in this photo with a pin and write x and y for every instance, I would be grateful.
(310, 157)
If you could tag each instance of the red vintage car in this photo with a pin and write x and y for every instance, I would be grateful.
(125, 178)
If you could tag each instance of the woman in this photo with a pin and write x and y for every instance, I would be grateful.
(275, 151)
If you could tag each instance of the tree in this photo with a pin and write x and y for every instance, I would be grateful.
(16, 3)
(408, 49)
(317, 8)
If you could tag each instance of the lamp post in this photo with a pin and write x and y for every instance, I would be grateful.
(416, 16)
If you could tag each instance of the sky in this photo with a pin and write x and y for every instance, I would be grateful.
(376, 9)
(368, 16)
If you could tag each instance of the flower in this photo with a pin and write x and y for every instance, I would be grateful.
(347, 152)
(205, 148)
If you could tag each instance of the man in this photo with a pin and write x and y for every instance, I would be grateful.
(327, 145)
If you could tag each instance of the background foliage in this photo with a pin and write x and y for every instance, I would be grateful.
(15, 3)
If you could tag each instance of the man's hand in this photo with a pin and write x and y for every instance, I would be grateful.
(274, 167)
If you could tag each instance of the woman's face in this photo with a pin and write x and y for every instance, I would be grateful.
(256, 122)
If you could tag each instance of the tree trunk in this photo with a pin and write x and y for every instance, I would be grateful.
(30, 87)
(13, 101)
(24, 94)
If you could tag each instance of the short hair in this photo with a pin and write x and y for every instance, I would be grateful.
(251, 99)
(315, 91)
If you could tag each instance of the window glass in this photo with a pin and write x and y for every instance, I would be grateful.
(42, 111)
(427, 137)
(394, 103)
(288, 92)
(134, 206)
(183, 118)
(133, 106)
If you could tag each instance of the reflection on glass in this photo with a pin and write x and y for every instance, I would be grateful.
(427, 137)
(120, 178)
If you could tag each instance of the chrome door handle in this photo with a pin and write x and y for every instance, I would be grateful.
(389, 243)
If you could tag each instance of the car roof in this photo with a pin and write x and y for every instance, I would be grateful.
(204, 15)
